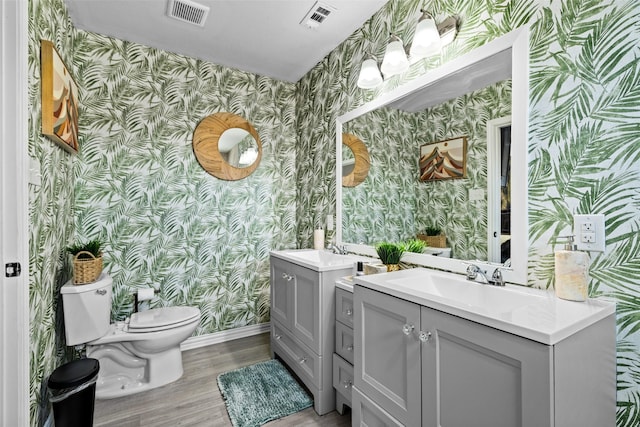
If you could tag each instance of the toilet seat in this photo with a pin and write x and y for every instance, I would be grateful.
(160, 319)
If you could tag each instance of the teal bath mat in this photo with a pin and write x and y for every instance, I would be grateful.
(260, 393)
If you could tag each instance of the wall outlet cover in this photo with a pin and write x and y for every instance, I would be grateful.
(589, 232)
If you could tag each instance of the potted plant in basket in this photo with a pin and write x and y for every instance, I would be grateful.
(87, 261)
(434, 237)
(390, 254)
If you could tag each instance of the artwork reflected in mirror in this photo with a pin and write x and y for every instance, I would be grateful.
(227, 146)
(395, 204)
(443, 160)
(355, 160)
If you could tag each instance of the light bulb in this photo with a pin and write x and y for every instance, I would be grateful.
(395, 59)
(426, 41)
(369, 77)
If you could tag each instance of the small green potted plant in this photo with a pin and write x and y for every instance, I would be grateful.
(434, 237)
(87, 261)
(415, 245)
(390, 254)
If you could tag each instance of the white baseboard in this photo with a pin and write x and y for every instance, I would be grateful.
(223, 336)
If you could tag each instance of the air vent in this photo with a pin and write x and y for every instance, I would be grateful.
(188, 11)
(317, 15)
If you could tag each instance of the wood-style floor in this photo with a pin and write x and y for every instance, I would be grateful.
(195, 400)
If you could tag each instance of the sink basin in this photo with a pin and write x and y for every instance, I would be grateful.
(320, 260)
(459, 291)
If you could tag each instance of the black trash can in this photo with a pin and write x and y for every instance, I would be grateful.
(72, 391)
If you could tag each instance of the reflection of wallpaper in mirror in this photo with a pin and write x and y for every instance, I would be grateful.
(381, 208)
(392, 204)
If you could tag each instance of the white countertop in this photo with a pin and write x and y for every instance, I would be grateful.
(345, 283)
(319, 260)
(531, 313)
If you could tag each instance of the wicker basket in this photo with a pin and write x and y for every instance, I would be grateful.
(439, 241)
(86, 270)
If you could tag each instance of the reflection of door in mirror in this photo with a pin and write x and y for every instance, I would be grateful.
(499, 189)
(505, 194)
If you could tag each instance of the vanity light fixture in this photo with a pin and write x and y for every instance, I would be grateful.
(395, 58)
(426, 41)
(447, 30)
(370, 76)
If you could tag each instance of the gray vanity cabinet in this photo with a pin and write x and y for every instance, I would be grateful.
(303, 325)
(386, 361)
(416, 366)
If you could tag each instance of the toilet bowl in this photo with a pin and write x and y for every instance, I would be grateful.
(138, 354)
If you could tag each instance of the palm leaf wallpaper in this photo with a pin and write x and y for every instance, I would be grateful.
(203, 242)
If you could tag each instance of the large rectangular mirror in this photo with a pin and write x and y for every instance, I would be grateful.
(481, 96)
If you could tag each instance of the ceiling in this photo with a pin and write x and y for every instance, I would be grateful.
(264, 37)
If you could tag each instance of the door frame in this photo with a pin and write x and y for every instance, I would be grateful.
(14, 211)
(494, 156)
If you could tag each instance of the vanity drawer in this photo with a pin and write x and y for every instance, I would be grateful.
(304, 362)
(344, 307)
(344, 342)
(342, 377)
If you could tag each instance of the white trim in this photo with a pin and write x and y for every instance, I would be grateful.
(14, 210)
(516, 43)
(494, 156)
(224, 336)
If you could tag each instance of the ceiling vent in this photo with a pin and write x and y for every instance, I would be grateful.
(188, 11)
(317, 15)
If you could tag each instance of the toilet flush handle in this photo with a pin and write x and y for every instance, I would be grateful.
(101, 291)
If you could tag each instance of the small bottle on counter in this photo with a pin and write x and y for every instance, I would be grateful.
(572, 272)
(359, 268)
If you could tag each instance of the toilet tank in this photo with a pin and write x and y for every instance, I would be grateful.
(87, 310)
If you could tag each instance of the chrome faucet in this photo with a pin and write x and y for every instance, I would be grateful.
(337, 249)
(476, 274)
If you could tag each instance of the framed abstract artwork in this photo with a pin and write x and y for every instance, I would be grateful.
(443, 159)
(59, 99)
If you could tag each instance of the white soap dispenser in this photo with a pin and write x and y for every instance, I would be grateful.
(572, 272)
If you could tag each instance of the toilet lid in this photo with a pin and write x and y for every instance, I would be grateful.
(162, 318)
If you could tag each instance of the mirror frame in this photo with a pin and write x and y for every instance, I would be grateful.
(205, 145)
(361, 158)
(515, 44)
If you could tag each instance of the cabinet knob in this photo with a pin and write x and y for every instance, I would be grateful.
(349, 312)
(350, 347)
(407, 329)
(287, 277)
(303, 360)
(347, 383)
(424, 336)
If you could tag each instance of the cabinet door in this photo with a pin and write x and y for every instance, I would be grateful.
(281, 291)
(306, 306)
(474, 375)
(387, 361)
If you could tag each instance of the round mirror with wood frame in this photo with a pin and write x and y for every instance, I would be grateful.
(206, 146)
(361, 160)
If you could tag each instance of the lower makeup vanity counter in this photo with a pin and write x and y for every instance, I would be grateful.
(432, 349)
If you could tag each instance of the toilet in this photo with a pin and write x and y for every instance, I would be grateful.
(135, 355)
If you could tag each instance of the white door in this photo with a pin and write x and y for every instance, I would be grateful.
(14, 290)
